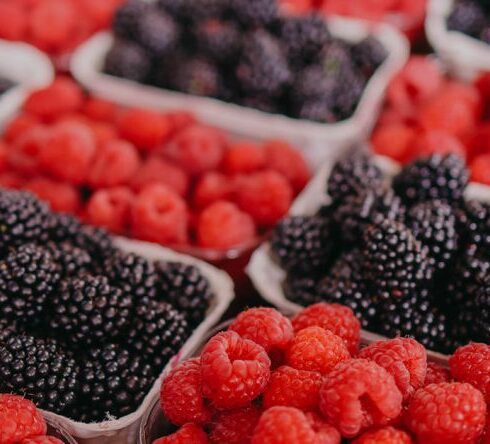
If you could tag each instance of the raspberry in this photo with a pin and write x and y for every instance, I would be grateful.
(471, 364)
(339, 319)
(179, 120)
(283, 158)
(111, 209)
(436, 374)
(358, 394)
(480, 169)
(482, 83)
(41, 440)
(62, 197)
(243, 157)
(99, 13)
(180, 395)
(19, 125)
(144, 128)
(159, 215)
(293, 388)
(446, 413)
(222, 225)
(196, 149)
(326, 433)
(394, 140)
(13, 21)
(115, 163)
(266, 196)
(10, 179)
(234, 370)
(26, 151)
(157, 170)
(189, 433)
(403, 358)
(385, 435)
(440, 142)
(264, 326)
(99, 109)
(210, 188)
(103, 132)
(3, 156)
(235, 426)
(316, 349)
(19, 419)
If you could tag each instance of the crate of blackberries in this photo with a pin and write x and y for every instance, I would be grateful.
(88, 322)
(407, 249)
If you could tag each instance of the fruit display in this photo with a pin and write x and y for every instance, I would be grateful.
(471, 17)
(268, 379)
(243, 52)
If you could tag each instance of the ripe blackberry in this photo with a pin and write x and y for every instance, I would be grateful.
(185, 288)
(474, 223)
(28, 277)
(7, 330)
(23, 218)
(440, 176)
(395, 263)
(40, 371)
(90, 310)
(313, 83)
(301, 244)
(157, 334)
(353, 174)
(368, 55)
(467, 17)
(349, 93)
(263, 69)
(315, 110)
(127, 60)
(125, 23)
(72, 261)
(301, 289)
(335, 58)
(218, 40)
(196, 76)
(157, 32)
(255, 13)
(481, 316)
(192, 10)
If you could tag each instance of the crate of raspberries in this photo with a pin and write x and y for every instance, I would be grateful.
(269, 379)
(245, 67)
(88, 322)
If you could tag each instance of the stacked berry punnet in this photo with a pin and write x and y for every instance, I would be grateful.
(86, 328)
(471, 17)
(426, 113)
(160, 177)
(243, 52)
(271, 380)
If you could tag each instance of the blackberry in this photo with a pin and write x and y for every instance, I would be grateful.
(474, 223)
(255, 13)
(467, 17)
(40, 371)
(158, 333)
(435, 177)
(127, 60)
(157, 32)
(335, 58)
(218, 40)
(316, 111)
(196, 76)
(193, 10)
(72, 261)
(185, 288)
(301, 289)
(263, 69)
(368, 55)
(301, 244)
(23, 218)
(28, 278)
(482, 314)
(125, 23)
(8, 329)
(90, 310)
(349, 93)
(396, 264)
(313, 83)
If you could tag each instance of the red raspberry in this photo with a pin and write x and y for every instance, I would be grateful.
(156, 170)
(99, 13)
(479, 141)
(111, 209)
(358, 394)
(482, 83)
(436, 374)
(293, 388)
(181, 395)
(449, 413)
(212, 187)
(25, 153)
(437, 142)
(326, 433)
(265, 326)
(385, 435)
(100, 109)
(394, 141)
(144, 128)
(234, 370)
(19, 419)
(41, 440)
(159, 215)
(404, 358)
(9, 179)
(115, 163)
(61, 196)
(480, 169)
(266, 196)
(188, 434)
(179, 120)
(3, 156)
(19, 125)
(223, 226)
(337, 318)
(465, 93)
(243, 158)
(471, 364)
(289, 162)
(196, 149)
(103, 132)
(316, 349)
(61, 97)
(13, 21)
(235, 426)
(485, 439)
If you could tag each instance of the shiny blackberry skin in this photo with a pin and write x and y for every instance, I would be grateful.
(40, 371)
(316, 111)
(301, 289)
(196, 76)
(349, 93)
(89, 310)
(72, 261)
(194, 10)
(467, 17)
(368, 55)
(28, 278)
(301, 244)
(255, 13)
(125, 23)
(482, 308)
(7, 330)
(313, 83)
(157, 32)
(218, 40)
(335, 58)
(474, 223)
(127, 60)
(435, 177)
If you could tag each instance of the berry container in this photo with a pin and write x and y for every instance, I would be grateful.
(319, 141)
(58, 431)
(464, 56)
(124, 430)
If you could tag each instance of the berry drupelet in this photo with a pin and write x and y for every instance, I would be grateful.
(482, 306)
(253, 13)
(368, 55)
(196, 76)
(72, 261)
(127, 60)
(157, 32)
(301, 289)
(219, 40)
(474, 223)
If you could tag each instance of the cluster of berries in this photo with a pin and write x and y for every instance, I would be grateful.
(410, 257)
(471, 17)
(427, 113)
(86, 328)
(271, 380)
(161, 177)
(243, 52)
(70, 22)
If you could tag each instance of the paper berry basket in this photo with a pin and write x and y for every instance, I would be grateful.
(318, 141)
(124, 430)
(56, 430)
